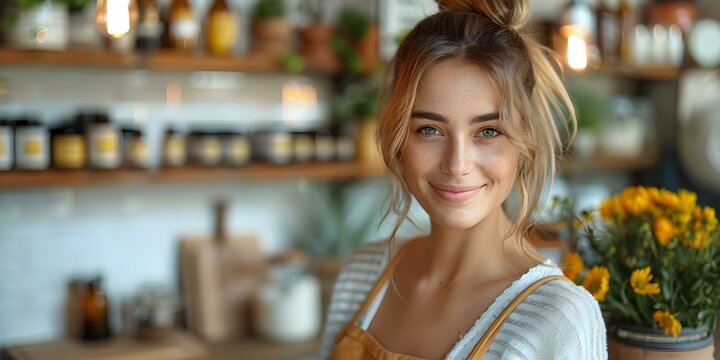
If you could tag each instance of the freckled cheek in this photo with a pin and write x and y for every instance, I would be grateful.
(497, 162)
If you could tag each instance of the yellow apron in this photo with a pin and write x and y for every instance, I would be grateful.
(354, 343)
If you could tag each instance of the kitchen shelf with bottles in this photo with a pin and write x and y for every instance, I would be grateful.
(162, 60)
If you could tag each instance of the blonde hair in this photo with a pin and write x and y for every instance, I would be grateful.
(487, 33)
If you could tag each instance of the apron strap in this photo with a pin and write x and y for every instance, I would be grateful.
(376, 288)
(487, 339)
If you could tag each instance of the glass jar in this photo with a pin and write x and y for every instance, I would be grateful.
(303, 146)
(206, 148)
(32, 150)
(275, 147)
(345, 148)
(237, 149)
(174, 149)
(136, 149)
(6, 145)
(324, 145)
(69, 149)
(104, 143)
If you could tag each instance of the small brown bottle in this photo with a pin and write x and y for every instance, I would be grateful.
(184, 26)
(627, 22)
(95, 312)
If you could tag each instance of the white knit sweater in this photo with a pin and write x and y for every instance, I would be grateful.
(559, 320)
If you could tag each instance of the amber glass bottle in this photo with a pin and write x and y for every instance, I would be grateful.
(183, 25)
(95, 312)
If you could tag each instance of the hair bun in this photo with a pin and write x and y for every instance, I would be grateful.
(511, 13)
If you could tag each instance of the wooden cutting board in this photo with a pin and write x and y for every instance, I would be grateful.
(219, 276)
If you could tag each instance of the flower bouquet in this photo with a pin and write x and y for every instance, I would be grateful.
(652, 261)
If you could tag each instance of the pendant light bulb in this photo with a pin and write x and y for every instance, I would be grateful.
(116, 18)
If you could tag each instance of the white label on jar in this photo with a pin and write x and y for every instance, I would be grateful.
(185, 29)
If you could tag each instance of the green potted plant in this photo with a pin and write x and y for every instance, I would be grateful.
(355, 109)
(356, 42)
(333, 229)
(270, 29)
(316, 36)
(590, 108)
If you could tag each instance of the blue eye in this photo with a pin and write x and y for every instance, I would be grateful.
(489, 133)
(428, 131)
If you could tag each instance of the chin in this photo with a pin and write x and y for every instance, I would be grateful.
(455, 219)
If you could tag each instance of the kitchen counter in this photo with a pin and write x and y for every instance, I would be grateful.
(179, 346)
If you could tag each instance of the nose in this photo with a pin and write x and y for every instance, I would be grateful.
(457, 157)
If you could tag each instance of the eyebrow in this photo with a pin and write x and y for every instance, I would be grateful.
(437, 117)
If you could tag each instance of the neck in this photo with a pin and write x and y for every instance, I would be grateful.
(479, 253)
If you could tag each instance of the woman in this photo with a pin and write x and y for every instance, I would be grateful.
(468, 116)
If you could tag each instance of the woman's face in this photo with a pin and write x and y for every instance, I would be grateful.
(456, 161)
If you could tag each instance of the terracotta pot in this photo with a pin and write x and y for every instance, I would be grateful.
(680, 13)
(315, 46)
(271, 35)
(367, 48)
(639, 343)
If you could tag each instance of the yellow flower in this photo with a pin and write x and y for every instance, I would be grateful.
(711, 220)
(667, 322)
(641, 282)
(635, 200)
(688, 201)
(664, 230)
(573, 266)
(612, 207)
(699, 241)
(668, 199)
(597, 282)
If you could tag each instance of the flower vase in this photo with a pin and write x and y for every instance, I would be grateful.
(640, 342)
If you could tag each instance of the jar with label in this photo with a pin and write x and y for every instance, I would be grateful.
(137, 151)
(174, 149)
(104, 143)
(206, 148)
(32, 145)
(275, 147)
(345, 148)
(69, 149)
(304, 146)
(6, 145)
(237, 149)
(184, 26)
(222, 28)
(324, 145)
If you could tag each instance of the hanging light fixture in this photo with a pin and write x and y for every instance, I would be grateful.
(116, 18)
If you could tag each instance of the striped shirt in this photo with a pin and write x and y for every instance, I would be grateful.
(559, 320)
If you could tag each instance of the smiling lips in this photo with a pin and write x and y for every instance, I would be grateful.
(454, 193)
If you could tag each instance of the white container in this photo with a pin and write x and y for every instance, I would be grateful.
(6, 146)
(32, 146)
(44, 27)
(288, 311)
(104, 144)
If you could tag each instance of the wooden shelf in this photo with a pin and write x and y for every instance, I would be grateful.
(256, 172)
(163, 60)
(649, 72)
